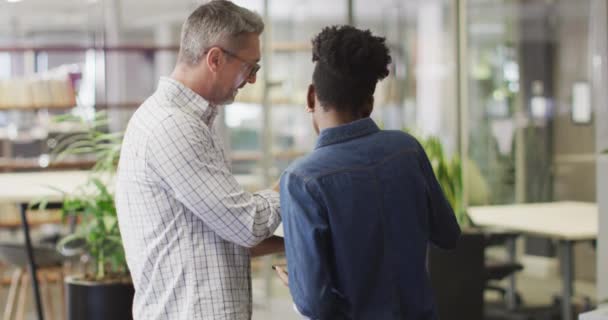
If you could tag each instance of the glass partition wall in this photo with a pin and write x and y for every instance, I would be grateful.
(528, 128)
(419, 94)
(530, 121)
(527, 116)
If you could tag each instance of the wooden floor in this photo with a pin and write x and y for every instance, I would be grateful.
(537, 293)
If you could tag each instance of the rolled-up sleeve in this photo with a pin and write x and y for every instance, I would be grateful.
(184, 155)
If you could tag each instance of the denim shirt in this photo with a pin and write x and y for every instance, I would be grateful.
(358, 214)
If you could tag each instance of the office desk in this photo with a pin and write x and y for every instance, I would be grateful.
(600, 314)
(23, 188)
(566, 222)
(27, 186)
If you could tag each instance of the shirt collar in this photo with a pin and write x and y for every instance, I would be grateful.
(352, 130)
(187, 100)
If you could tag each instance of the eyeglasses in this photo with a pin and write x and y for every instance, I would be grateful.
(254, 67)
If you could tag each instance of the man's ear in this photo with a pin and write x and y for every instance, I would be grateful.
(310, 99)
(214, 59)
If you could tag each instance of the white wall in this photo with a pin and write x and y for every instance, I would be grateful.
(599, 72)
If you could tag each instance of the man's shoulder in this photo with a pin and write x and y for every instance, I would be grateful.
(164, 118)
(159, 111)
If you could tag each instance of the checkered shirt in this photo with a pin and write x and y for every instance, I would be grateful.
(186, 223)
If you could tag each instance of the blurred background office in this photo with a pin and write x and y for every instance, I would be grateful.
(514, 90)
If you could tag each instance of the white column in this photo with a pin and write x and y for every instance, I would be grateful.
(429, 84)
(599, 81)
(266, 134)
(115, 81)
(164, 61)
(116, 66)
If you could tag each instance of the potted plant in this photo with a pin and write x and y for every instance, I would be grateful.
(449, 175)
(105, 291)
(456, 275)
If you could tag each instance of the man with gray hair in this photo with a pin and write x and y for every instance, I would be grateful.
(185, 221)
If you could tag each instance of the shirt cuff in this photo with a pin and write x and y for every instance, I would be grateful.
(274, 203)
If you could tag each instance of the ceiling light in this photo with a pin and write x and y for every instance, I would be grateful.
(13, 1)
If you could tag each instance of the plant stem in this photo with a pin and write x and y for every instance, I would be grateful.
(100, 265)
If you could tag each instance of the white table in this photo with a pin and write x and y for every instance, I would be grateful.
(600, 314)
(29, 186)
(566, 222)
(23, 188)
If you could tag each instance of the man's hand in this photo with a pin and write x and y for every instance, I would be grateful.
(282, 275)
(271, 245)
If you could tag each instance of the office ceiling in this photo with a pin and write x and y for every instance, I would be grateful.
(31, 16)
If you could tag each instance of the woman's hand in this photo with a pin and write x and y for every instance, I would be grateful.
(282, 273)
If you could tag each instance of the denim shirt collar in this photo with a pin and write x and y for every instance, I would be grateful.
(345, 132)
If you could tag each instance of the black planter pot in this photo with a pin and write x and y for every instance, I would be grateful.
(457, 278)
(87, 300)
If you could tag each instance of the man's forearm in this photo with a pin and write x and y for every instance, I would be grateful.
(271, 245)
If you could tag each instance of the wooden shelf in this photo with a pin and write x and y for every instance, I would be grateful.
(36, 218)
(292, 46)
(257, 155)
(135, 105)
(36, 108)
(277, 46)
(122, 105)
(81, 48)
(103, 106)
(31, 164)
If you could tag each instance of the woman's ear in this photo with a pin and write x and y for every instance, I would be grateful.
(310, 99)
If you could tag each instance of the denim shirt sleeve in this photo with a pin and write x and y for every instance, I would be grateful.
(444, 229)
(307, 246)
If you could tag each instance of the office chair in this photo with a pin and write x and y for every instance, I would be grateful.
(496, 270)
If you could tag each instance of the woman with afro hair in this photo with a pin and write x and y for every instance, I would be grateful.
(360, 210)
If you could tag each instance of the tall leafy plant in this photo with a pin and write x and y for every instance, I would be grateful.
(97, 234)
(448, 171)
(94, 139)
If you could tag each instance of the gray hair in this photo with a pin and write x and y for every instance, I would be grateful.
(216, 23)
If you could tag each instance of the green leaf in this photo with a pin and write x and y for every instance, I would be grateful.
(72, 245)
(40, 203)
(68, 139)
(109, 222)
(448, 172)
